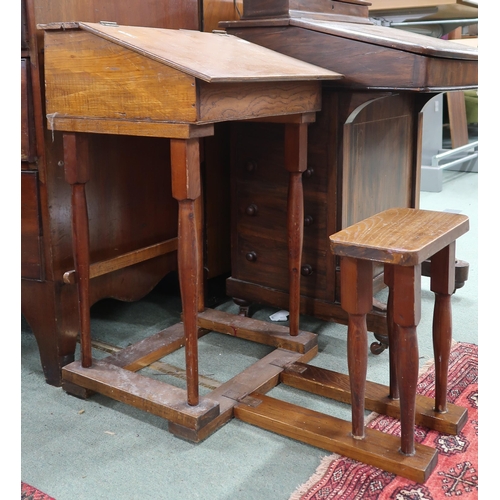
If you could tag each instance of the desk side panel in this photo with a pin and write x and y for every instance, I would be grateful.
(87, 76)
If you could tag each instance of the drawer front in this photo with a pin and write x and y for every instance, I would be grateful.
(31, 257)
(259, 209)
(262, 261)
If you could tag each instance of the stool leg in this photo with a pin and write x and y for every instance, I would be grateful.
(356, 285)
(407, 304)
(393, 337)
(442, 284)
(76, 172)
(295, 163)
(186, 189)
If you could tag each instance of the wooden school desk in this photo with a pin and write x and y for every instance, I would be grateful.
(110, 79)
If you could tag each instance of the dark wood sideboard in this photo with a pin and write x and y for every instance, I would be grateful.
(364, 148)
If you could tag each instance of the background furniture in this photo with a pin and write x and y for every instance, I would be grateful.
(429, 17)
(364, 148)
(454, 20)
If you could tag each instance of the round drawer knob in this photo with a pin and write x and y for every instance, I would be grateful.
(251, 256)
(308, 220)
(251, 210)
(309, 172)
(306, 270)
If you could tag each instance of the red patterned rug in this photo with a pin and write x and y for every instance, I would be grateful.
(456, 474)
(30, 493)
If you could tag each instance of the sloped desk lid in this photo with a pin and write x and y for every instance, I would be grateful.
(392, 38)
(104, 78)
(211, 57)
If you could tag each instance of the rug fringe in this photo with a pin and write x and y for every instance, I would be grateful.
(318, 474)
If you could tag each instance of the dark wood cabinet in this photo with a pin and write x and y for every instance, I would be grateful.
(360, 162)
(364, 148)
(31, 257)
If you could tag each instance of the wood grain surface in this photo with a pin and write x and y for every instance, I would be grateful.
(403, 236)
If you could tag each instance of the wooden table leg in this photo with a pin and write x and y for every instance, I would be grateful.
(76, 171)
(443, 285)
(407, 306)
(392, 336)
(356, 299)
(296, 164)
(186, 189)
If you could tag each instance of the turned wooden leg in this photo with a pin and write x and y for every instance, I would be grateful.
(76, 172)
(407, 306)
(296, 163)
(442, 284)
(393, 337)
(356, 299)
(186, 189)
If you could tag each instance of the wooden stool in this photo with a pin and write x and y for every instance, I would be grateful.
(401, 239)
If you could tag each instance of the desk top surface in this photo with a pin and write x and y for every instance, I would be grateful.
(211, 57)
(390, 37)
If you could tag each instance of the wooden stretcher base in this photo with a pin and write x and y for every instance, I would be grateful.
(243, 396)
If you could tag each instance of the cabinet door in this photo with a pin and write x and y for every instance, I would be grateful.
(31, 262)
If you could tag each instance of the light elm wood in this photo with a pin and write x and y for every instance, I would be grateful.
(136, 128)
(125, 260)
(149, 349)
(401, 239)
(241, 61)
(134, 63)
(49, 306)
(443, 285)
(333, 434)
(400, 236)
(296, 165)
(336, 386)
(260, 377)
(255, 330)
(77, 175)
(142, 392)
(180, 68)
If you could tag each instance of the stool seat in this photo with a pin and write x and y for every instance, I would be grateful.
(401, 239)
(400, 236)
